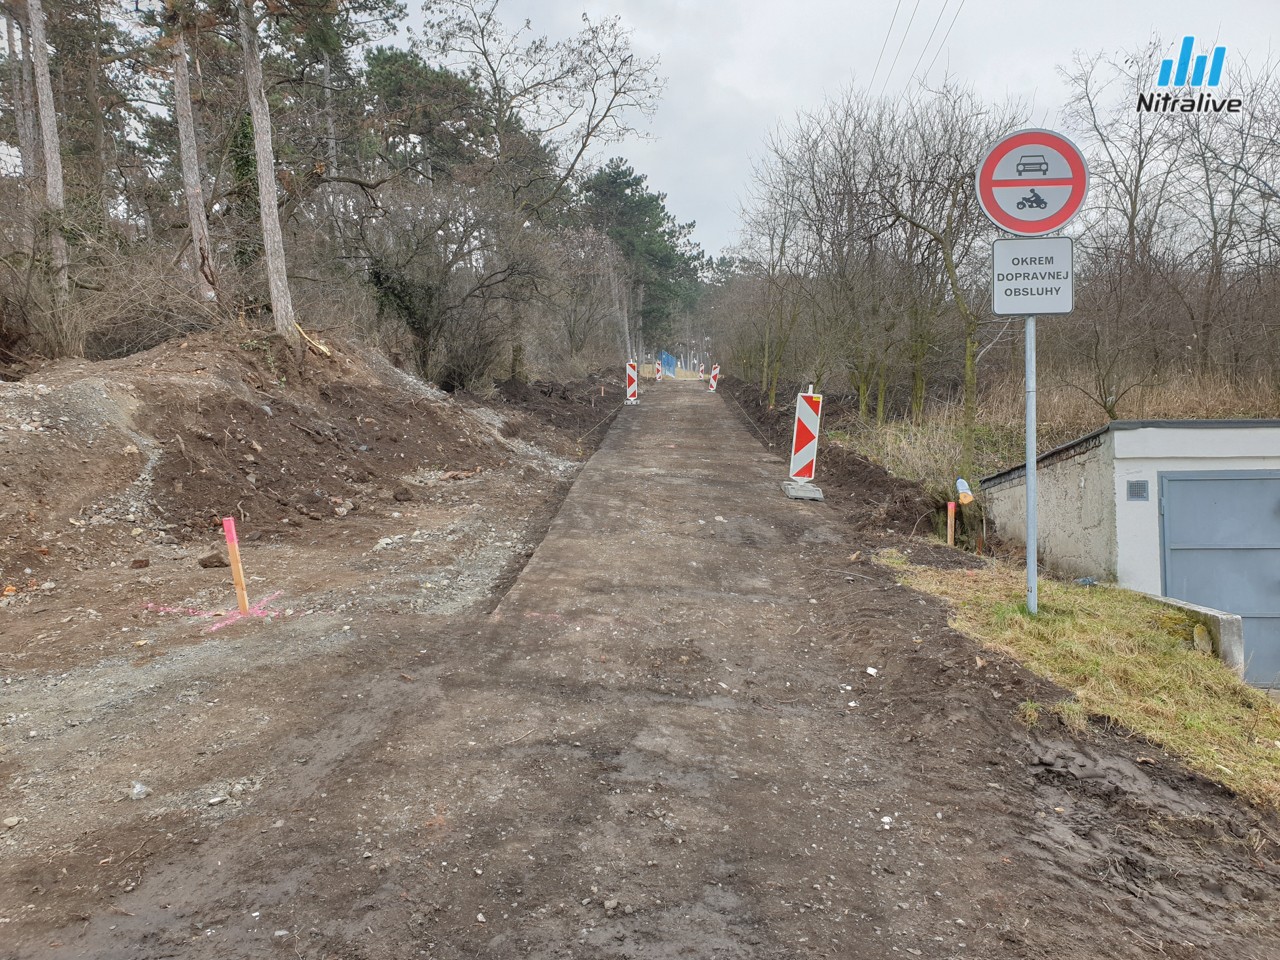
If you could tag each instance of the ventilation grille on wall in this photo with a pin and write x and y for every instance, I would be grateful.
(1138, 490)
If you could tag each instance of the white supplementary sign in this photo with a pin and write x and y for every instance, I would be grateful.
(1030, 277)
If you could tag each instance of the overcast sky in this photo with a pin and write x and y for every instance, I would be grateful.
(735, 70)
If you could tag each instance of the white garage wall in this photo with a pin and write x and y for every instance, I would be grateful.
(1089, 527)
(1143, 454)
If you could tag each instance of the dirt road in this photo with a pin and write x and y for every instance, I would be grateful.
(694, 727)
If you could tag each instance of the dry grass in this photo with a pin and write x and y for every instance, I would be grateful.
(928, 452)
(1066, 412)
(1126, 659)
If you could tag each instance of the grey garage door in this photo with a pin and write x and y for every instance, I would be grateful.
(1220, 534)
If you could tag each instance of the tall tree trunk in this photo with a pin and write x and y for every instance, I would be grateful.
(206, 269)
(98, 163)
(882, 394)
(55, 198)
(272, 238)
(331, 129)
(969, 401)
(24, 110)
(620, 311)
(27, 133)
(333, 200)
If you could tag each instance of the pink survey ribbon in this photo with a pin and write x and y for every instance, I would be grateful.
(259, 609)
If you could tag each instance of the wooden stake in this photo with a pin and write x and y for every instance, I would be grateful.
(951, 523)
(233, 554)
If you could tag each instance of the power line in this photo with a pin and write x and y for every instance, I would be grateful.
(925, 48)
(943, 45)
(905, 32)
(883, 45)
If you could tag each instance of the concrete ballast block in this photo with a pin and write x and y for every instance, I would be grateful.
(1226, 631)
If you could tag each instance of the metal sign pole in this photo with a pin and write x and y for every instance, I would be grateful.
(1008, 197)
(1032, 559)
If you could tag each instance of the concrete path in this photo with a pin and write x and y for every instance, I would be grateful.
(696, 782)
(680, 508)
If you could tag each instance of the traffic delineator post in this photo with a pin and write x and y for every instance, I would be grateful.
(633, 384)
(804, 448)
(804, 436)
(657, 370)
(702, 369)
(715, 377)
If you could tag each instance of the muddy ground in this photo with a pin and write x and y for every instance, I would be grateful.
(503, 696)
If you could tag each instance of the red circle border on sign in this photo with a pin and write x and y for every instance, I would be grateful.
(1024, 138)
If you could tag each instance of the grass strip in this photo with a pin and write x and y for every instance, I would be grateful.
(1128, 661)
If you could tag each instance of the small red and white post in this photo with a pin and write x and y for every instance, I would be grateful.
(657, 370)
(633, 385)
(715, 377)
(804, 447)
(702, 371)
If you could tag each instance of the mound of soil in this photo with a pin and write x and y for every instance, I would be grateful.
(873, 501)
(115, 477)
(577, 411)
(155, 449)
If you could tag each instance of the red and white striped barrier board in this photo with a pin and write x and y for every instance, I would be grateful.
(633, 384)
(715, 377)
(657, 370)
(702, 371)
(804, 437)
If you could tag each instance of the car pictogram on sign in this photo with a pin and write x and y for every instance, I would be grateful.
(1033, 163)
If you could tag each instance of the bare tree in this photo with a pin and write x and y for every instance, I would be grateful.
(585, 299)
(777, 245)
(433, 259)
(870, 284)
(545, 101)
(930, 153)
(1120, 248)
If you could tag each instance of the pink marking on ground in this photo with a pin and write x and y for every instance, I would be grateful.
(226, 618)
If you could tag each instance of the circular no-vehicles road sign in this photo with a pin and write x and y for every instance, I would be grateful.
(1032, 182)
